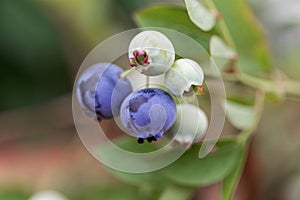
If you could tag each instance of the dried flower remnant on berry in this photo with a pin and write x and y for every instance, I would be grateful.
(139, 58)
(198, 89)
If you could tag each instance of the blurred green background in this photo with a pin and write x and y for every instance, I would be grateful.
(42, 44)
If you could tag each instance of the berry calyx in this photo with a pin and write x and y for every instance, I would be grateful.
(139, 58)
(198, 89)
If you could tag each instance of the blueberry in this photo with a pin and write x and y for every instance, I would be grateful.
(148, 113)
(190, 125)
(100, 90)
(151, 53)
(184, 76)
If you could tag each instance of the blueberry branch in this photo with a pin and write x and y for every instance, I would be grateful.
(288, 86)
(258, 110)
(147, 81)
(126, 73)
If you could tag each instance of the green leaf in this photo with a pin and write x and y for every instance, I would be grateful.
(151, 179)
(175, 18)
(130, 144)
(246, 33)
(230, 182)
(190, 170)
(177, 193)
(240, 115)
(118, 154)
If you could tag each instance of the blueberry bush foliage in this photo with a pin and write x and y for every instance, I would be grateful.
(229, 31)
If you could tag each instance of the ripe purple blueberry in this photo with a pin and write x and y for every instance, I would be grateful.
(100, 90)
(148, 113)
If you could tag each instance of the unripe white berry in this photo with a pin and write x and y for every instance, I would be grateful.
(190, 125)
(202, 17)
(184, 75)
(151, 53)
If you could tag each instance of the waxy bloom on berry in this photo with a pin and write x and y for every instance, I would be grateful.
(101, 91)
(184, 76)
(190, 125)
(151, 53)
(148, 113)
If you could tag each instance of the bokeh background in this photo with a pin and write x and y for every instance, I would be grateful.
(42, 44)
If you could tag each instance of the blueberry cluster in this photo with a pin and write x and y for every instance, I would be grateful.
(104, 92)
